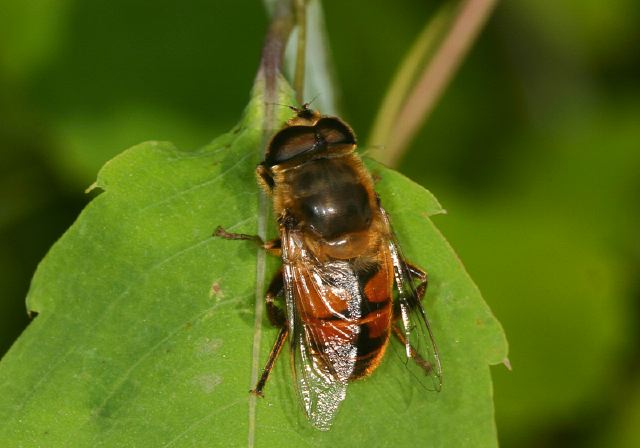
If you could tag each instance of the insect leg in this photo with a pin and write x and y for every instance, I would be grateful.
(278, 319)
(420, 288)
(413, 305)
(421, 275)
(415, 356)
(273, 356)
(276, 289)
(271, 246)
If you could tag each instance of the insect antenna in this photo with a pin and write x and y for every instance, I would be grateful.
(304, 108)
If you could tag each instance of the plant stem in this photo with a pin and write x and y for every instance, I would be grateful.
(273, 53)
(301, 22)
(437, 73)
(404, 79)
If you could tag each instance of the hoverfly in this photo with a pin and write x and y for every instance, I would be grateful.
(340, 262)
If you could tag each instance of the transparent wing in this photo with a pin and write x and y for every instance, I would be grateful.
(323, 352)
(319, 388)
(414, 331)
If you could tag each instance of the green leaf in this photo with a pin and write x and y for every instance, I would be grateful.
(145, 322)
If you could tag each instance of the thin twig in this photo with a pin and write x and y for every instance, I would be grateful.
(301, 23)
(405, 78)
(435, 76)
(273, 53)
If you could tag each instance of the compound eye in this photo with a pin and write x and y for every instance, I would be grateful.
(291, 142)
(335, 132)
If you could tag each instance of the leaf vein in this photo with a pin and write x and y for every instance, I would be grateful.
(197, 186)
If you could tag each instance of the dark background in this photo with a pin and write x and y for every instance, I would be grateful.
(534, 150)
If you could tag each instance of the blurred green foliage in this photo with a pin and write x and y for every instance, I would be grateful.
(534, 150)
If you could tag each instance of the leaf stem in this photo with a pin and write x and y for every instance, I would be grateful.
(437, 73)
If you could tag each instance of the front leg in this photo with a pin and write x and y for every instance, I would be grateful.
(271, 246)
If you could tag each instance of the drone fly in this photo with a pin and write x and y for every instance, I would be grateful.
(345, 285)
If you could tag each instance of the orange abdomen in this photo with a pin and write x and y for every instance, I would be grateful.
(348, 321)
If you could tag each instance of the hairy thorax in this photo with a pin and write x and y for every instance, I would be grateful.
(332, 203)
